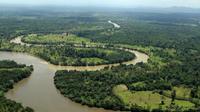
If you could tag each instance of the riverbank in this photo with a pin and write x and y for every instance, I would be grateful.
(114, 24)
(46, 97)
(10, 74)
(126, 56)
(42, 77)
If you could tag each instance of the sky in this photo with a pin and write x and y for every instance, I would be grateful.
(109, 3)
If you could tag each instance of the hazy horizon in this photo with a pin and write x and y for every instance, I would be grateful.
(108, 3)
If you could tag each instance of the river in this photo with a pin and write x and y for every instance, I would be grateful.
(114, 24)
(39, 92)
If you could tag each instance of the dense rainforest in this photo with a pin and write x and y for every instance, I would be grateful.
(168, 82)
(84, 87)
(66, 55)
(11, 73)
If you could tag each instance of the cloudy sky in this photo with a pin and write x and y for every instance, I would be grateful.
(107, 3)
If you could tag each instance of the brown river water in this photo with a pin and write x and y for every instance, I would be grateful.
(39, 92)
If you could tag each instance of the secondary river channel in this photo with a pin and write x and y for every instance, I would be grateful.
(39, 92)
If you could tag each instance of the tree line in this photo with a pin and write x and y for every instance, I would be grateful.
(11, 73)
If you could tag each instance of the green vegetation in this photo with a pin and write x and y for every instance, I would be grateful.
(66, 55)
(65, 38)
(93, 61)
(139, 85)
(93, 88)
(181, 92)
(10, 64)
(11, 73)
(148, 99)
(165, 70)
(170, 79)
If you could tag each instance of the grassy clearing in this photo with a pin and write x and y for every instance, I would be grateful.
(106, 51)
(94, 61)
(54, 38)
(181, 92)
(138, 85)
(147, 99)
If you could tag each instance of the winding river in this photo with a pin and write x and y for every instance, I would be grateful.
(39, 92)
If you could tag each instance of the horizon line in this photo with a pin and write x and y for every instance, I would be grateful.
(95, 6)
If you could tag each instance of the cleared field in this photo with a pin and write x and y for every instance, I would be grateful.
(147, 99)
(54, 39)
(181, 92)
(94, 61)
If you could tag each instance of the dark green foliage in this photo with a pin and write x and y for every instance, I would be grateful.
(77, 54)
(11, 76)
(93, 89)
(10, 73)
(10, 64)
(173, 95)
(79, 85)
(65, 55)
(11, 106)
(164, 70)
